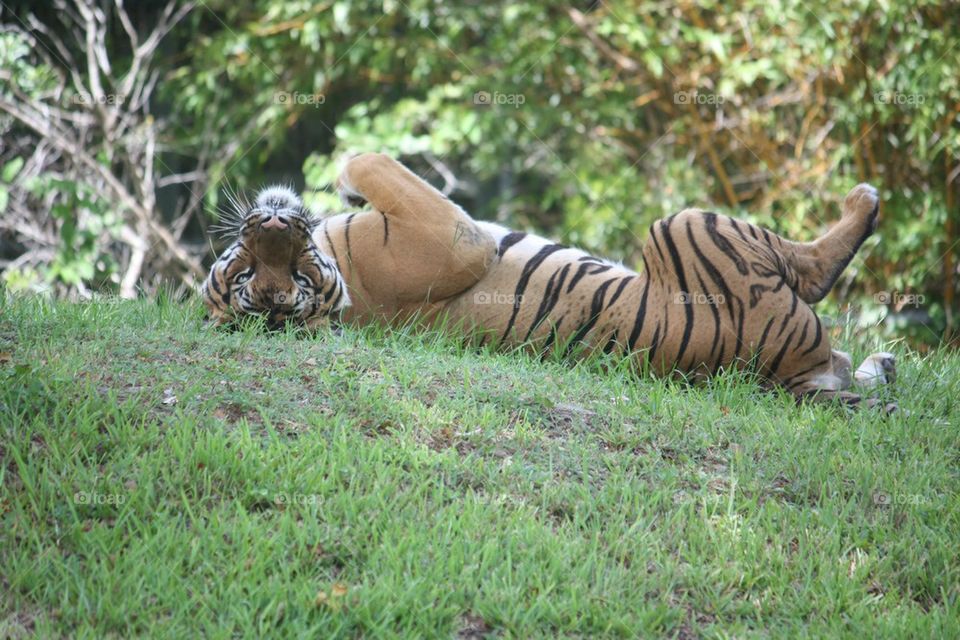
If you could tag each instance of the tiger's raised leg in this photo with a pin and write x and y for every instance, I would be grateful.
(432, 248)
(743, 295)
(813, 267)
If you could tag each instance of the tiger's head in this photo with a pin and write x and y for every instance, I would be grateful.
(273, 268)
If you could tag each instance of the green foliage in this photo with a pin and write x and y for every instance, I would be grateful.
(83, 217)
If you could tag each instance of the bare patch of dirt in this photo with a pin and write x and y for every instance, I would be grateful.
(694, 621)
(448, 437)
(473, 627)
(233, 412)
(565, 418)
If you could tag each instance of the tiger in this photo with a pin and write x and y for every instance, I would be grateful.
(714, 293)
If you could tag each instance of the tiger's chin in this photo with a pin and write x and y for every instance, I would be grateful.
(272, 322)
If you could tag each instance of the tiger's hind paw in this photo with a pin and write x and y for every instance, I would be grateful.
(863, 201)
(877, 369)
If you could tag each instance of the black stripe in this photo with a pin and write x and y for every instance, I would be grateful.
(524, 280)
(611, 343)
(551, 338)
(346, 235)
(616, 294)
(763, 340)
(333, 305)
(739, 231)
(756, 292)
(333, 249)
(596, 308)
(656, 243)
(224, 296)
(213, 281)
(581, 271)
(550, 297)
(656, 343)
(816, 341)
(641, 315)
(333, 285)
(584, 269)
(765, 271)
(714, 312)
(386, 229)
(230, 261)
(682, 280)
(713, 272)
(740, 320)
(789, 316)
(776, 360)
(719, 358)
(803, 336)
(509, 240)
(710, 220)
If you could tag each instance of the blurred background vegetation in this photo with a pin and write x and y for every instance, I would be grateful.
(123, 124)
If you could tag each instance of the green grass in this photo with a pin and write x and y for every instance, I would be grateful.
(162, 480)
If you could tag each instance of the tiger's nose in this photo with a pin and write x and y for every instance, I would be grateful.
(274, 222)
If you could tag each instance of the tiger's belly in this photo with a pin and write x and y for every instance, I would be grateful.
(543, 294)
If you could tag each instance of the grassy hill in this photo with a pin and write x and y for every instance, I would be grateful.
(159, 479)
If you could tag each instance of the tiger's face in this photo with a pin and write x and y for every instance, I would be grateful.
(274, 269)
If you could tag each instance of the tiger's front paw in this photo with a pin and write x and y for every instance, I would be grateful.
(349, 195)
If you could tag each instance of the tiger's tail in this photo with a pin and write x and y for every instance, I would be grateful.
(818, 264)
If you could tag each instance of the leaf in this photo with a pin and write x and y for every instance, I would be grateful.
(11, 169)
(714, 44)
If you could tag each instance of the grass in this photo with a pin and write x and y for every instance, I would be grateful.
(163, 480)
